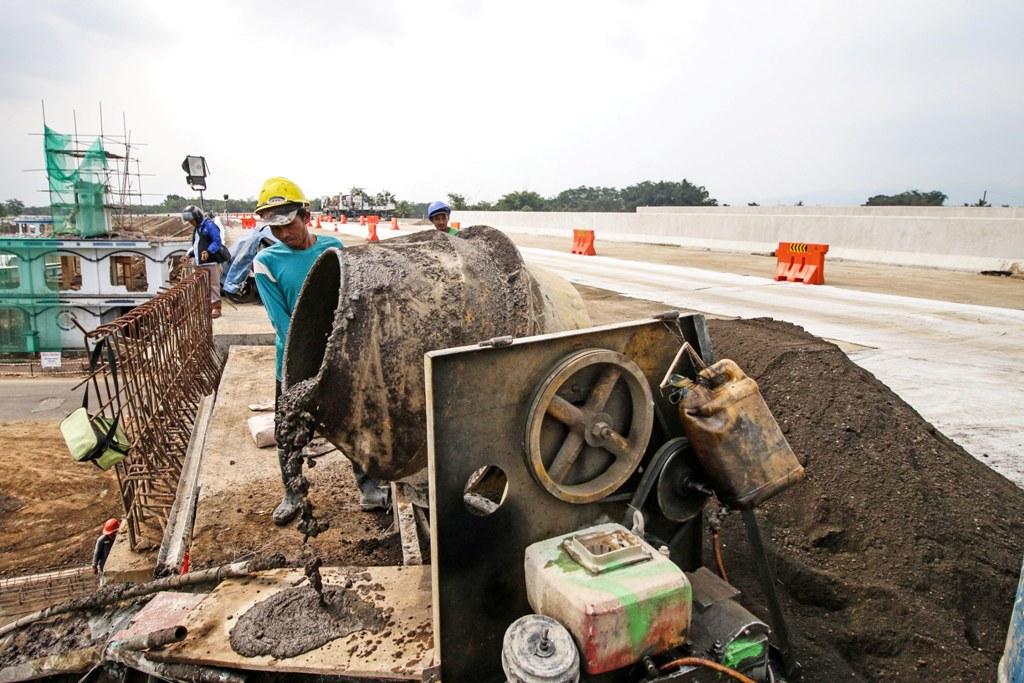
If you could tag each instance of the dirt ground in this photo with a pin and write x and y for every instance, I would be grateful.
(51, 508)
(158, 226)
(233, 527)
(898, 556)
(240, 485)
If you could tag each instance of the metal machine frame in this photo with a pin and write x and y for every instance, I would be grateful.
(480, 402)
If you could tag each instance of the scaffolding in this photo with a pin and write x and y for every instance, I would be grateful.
(94, 181)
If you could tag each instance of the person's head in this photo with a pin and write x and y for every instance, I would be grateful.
(438, 213)
(282, 205)
(111, 526)
(192, 215)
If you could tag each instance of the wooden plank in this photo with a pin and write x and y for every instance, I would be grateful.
(403, 652)
(405, 520)
(180, 520)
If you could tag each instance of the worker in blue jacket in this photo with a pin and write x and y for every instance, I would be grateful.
(207, 250)
(280, 271)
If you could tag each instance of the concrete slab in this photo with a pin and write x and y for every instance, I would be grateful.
(959, 365)
(125, 565)
(242, 319)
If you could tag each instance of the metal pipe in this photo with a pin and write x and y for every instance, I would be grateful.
(117, 593)
(145, 641)
(173, 671)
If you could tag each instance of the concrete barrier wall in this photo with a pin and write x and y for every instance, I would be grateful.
(933, 237)
(927, 211)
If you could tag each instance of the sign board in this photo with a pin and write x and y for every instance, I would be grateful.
(49, 359)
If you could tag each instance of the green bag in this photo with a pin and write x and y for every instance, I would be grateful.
(95, 438)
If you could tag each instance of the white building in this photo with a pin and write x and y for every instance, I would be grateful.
(47, 285)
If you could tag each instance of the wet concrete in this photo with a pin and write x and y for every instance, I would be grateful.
(300, 619)
(293, 429)
(44, 638)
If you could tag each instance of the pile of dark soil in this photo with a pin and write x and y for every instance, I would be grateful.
(898, 556)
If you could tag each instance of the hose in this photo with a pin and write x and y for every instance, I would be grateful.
(719, 564)
(700, 661)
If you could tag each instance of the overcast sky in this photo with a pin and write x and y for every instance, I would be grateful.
(759, 101)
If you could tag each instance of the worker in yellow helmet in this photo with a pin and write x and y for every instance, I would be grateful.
(280, 271)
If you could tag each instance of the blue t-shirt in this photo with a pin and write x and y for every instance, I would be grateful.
(279, 272)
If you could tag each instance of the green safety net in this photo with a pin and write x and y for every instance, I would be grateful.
(77, 190)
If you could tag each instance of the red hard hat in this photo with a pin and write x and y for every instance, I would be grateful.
(112, 525)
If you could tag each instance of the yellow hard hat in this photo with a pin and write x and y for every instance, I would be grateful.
(279, 191)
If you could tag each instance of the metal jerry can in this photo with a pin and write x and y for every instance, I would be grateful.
(734, 435)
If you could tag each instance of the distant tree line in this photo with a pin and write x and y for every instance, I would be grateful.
(587, 198)
(908, 198)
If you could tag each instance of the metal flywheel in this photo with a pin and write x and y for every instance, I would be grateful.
(589, 425)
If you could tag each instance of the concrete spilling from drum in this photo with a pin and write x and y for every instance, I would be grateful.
(367, 315)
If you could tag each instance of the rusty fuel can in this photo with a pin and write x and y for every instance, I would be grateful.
(734, 434)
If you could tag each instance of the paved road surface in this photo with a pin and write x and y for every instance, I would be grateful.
(42, 400)
(961, 366)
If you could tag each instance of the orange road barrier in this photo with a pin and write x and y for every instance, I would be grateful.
(801, 262)
(394, 224)
(373, 232)
(343, 218)
(457, 225)
(248, 222)
(583, 242)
